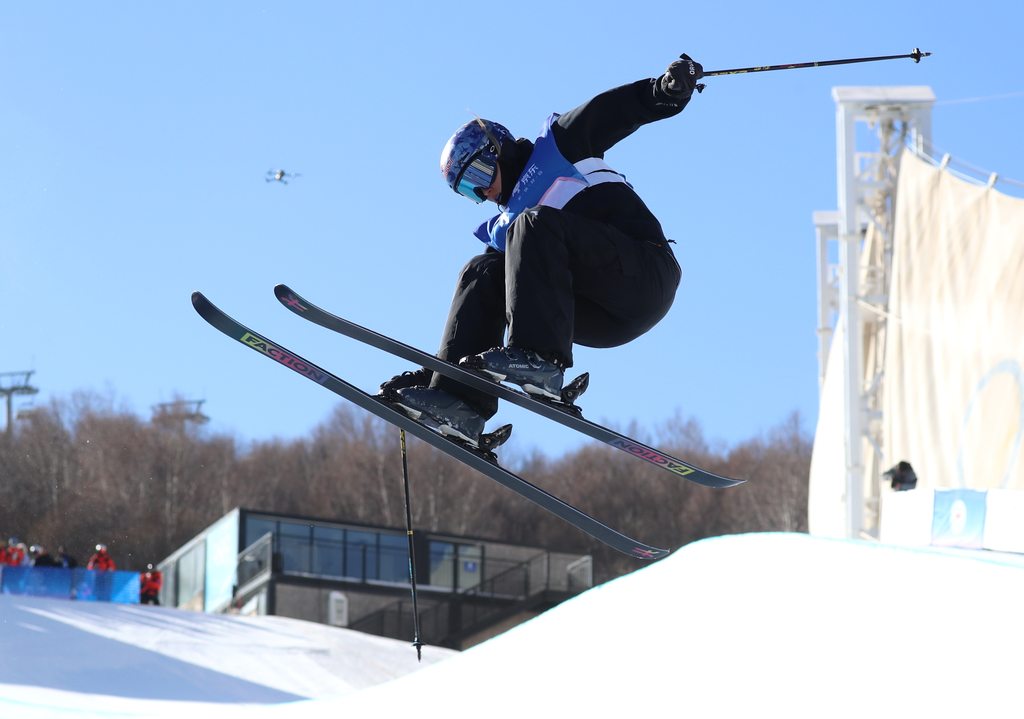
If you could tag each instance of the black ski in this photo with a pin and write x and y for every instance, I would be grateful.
(483, 462)
(563, 414)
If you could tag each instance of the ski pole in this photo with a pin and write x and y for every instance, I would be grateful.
(412, 555)
(915, 55)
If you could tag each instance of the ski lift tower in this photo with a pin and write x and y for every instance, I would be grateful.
(15, 383)
(873, 125)
(177, 413)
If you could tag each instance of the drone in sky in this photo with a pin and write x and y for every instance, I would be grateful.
(281, 176)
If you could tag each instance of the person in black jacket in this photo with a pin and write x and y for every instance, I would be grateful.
(64, 559)
(574, 257)
(40, 557)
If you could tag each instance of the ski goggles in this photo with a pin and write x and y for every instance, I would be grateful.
(477, 177)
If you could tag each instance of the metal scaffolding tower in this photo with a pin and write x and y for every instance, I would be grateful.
(873, 124)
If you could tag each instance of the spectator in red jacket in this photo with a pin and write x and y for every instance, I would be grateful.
(16, 554)
(101, 560)
(149, 589)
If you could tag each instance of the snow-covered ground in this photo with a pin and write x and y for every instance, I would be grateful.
(68, 659)
(755, 625)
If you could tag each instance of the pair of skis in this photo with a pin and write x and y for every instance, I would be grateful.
(481, 460)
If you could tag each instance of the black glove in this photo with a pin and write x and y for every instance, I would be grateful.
(681, 78)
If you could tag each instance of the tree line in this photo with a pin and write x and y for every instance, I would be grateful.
(79, 471)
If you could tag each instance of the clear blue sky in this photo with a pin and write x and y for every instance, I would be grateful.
(136, 137)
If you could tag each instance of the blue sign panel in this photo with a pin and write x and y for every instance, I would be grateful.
(82, 584)
(958, 518)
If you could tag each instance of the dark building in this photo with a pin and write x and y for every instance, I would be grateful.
(357, 576)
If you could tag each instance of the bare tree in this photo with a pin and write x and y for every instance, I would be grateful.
(83, 470)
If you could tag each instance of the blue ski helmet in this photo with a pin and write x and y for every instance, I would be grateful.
(470, 157)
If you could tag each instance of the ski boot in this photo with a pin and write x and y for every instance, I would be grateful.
(409, 378)
(447, 415)
(539, 377)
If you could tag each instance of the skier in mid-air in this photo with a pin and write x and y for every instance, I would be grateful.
(574, 257)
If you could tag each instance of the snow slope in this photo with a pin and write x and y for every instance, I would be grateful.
(96, 659)
(744, 626)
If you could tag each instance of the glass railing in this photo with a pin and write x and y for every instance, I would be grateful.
(256, 561)
(516, 584)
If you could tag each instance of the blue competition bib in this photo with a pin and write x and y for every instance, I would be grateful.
(549, 180)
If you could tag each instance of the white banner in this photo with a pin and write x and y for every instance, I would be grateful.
(954, 368)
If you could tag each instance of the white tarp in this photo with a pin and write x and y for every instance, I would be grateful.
(826, 490)
(954, 369)
(953, 354)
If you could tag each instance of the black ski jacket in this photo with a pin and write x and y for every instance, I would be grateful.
(589, 131)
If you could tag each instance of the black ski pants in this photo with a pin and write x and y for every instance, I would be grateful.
(563, 279)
